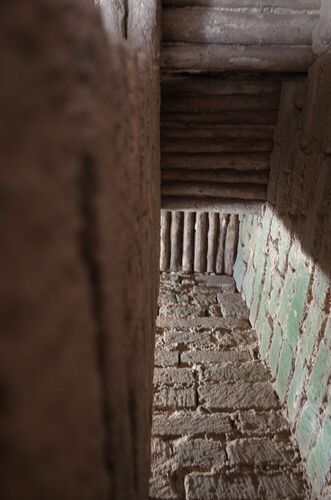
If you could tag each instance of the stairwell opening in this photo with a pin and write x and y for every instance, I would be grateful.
(242, 371)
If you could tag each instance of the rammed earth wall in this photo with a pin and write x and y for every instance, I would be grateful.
(283, 267)
(80, 210)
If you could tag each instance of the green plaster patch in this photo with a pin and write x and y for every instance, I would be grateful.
(248, 285)
(239, 267)
(261, 238)
(311, 328)
(255, 224)
(283, 248)
(328, 409)
(296, 388)
(241, 230)
(275, 228)
(285, 297)
(298, 304)
(295, 254)
(320, 375)
(259, 258)
(256, 294)
(270, 269)
(267, 217)
(307, 428)
(321, 287)
(263, 311)
(319, 462)
(266, 334)
(277, 284)
(247, 227)
(327, 334)
(292, 330)
(284, 370)
(275, 348)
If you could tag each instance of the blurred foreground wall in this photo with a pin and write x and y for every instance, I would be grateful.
(79, 250)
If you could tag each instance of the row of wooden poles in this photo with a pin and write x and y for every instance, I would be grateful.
(198, 242)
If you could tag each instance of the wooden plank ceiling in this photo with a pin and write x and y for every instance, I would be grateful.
(223, 62)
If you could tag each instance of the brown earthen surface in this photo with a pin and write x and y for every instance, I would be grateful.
(79, 192)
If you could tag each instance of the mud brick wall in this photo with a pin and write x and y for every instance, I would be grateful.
(76, 347)
(283, 268)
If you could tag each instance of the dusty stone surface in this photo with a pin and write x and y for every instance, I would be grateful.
(170, 397)
(252, 371)
(219, 431)
(210, 357)
(187, 423)
(232, 305)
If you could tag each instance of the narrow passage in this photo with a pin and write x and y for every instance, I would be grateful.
(219, 431)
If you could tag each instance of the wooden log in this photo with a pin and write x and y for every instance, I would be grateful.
(176, 240)
(234, 26)
(223, 224)
(165, 240)
(214, 190)
(221, 205)
(144, 27)
(214, 146)
(200, 244)
(185, 131)
(113, 15)
(227, 176)
(234, 161)
(213, 228)
(288, 4)
(240, 117)
(188, 242)
(219, 85)
(210, 104)
(211, 58)
(231, 243)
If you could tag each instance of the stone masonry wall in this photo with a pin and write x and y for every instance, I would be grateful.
(79, 191)
(283, 268)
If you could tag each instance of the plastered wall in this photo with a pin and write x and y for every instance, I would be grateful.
(283, 268)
